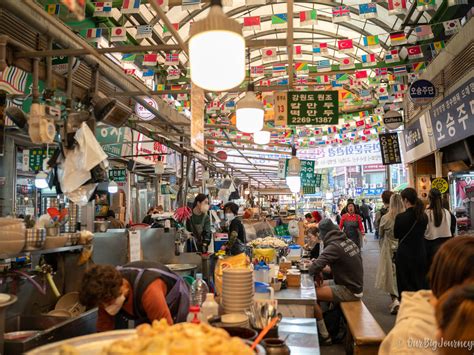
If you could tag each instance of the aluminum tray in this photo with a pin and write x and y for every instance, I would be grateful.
(86, 345)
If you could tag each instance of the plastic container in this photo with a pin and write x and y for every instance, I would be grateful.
(295, 252)
(262, 273)
(199, 291)
(209, 308)
(263, 291)
(194, 315)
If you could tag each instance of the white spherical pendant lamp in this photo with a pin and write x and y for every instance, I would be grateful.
(261, 137)
(217, 51)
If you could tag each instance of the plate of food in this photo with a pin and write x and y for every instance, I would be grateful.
(158, 338)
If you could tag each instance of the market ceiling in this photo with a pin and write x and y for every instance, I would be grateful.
(316, 30)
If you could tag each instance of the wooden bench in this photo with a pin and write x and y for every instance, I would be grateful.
(364, 334)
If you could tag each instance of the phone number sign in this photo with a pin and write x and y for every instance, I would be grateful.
(452, 119)
(312, 107)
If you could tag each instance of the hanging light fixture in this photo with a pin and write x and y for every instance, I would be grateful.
(261, 137)
(113, 187)
(217, 51)
(249, 113)
(40, 180)
(159, 167)
(293, 179)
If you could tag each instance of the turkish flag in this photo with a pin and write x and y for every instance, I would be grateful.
(345, 44)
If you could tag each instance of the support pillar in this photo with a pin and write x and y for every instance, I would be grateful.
(411, 175)
(438, 163)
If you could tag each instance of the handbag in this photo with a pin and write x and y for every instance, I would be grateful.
(401, 240)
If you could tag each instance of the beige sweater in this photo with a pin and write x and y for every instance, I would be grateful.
(415, 326)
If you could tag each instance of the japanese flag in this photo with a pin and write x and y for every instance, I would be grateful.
(269, 54)
(118, 34)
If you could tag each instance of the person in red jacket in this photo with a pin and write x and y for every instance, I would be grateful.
(351, 224)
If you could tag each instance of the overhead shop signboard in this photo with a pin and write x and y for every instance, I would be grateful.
(118, 175)
(422, 92)
(390, 148)
(309, 179)
(417, 143)
(452, 119)
(345, 155)
(146, 151)
(312, 107)
(114, 141)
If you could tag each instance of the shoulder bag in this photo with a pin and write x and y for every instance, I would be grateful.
(401, 240)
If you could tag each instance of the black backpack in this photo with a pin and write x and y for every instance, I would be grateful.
(335, 324)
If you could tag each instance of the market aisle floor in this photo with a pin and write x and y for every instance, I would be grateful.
(376, 301)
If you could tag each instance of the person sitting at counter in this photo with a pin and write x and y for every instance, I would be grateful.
(199, 225)
(314, 244)
(114, 223)
(345, 261)
(142, 291)
(148, 218)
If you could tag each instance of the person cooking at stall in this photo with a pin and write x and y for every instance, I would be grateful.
(143, 291)
(231, 211)
(199, 225)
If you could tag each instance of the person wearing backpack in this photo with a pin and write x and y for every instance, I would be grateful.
(342, 255)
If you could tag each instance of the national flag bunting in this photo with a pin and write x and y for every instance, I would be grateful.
(424, 5)
(361, 74)
(131, 6)
(163, 4)
(418, 67)
(423, 32)
(172, 58)
(297, 51)
(368, 59)
(302, 80)
(256, 71)
(346, 63)
(118, 34)
(399, 88)
(129, 71)
(183, 97)
(144, 31)
(190, 5)
(397, 7)
(320, 48)
(148, 73)
(371, 41)
(279, 20)
(308, 18)
(451, 27)
(368, 10)
(103, 9)
(269, 54)
(341, 14)
(322, 79)
(173, 74)
(323, 65)
(392, 56)
(251, 23)
(278, 69)
(150, 60)
(302, 67)
(437, 47)
(398, 38)
(400, 70)
(342, 78)
(129, 57)
(415, 52)
(381, 72)
(53, 9)
(345, 45)
(167, 32)
(379, 111)
(94, 34)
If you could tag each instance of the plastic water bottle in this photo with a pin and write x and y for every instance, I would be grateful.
(199, 291)
(209, 308)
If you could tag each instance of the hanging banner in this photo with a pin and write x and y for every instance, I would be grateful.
(390, 148)
(197, 119)
(281, 108)
(452, 119)
(146, 151)
(341, 156)
(313, 107)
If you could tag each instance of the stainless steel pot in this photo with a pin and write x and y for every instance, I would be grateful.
(182, 269)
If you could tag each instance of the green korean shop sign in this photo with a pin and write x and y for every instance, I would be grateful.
(313, 107)
(118, 175)
(309, 179)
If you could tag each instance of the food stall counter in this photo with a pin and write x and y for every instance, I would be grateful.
(298, 301)
(301, 335)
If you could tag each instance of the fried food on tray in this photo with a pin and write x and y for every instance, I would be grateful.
(179, 339)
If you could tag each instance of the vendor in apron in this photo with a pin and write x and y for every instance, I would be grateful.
(141, 291)
(351, 224)
(199, 225)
